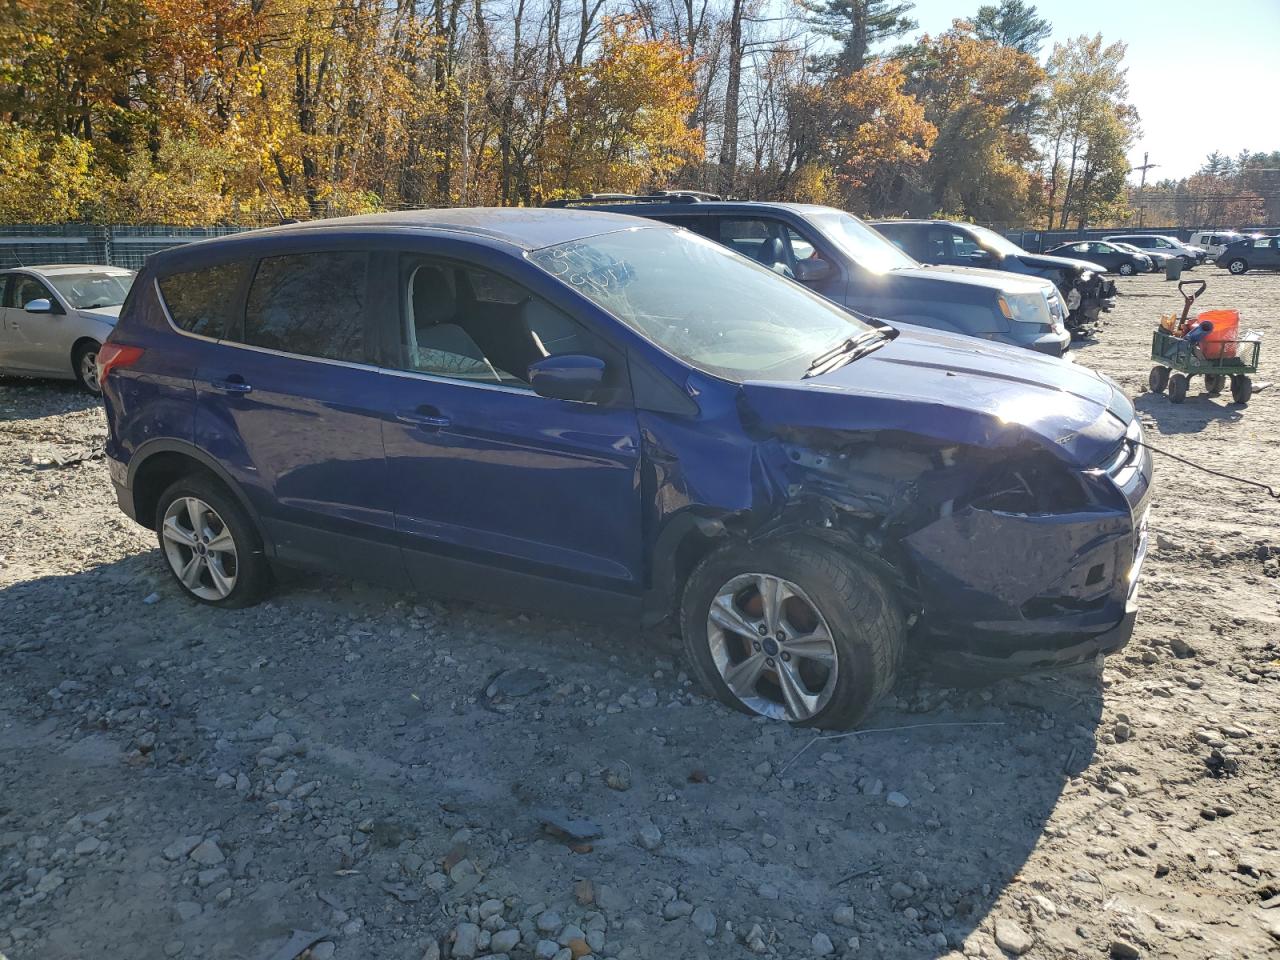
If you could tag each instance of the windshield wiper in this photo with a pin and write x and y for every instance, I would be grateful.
(846, 351)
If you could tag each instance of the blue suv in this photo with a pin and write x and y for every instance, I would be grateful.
(597, 415)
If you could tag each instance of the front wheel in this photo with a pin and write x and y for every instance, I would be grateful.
(795, 631)
(1214, 382)
(84, 362)
(1126, 269)
(210, 544)
(1178, 387)
(1237, 266)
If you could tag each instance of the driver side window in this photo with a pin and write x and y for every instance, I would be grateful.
(23, 289)
(468, 323)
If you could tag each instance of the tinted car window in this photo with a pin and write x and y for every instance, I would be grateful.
(310, 303)
(200, 301)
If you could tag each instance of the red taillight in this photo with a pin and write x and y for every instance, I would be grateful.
(112, 355)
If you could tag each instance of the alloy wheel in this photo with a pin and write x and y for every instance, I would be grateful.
(89, 370)
(200, 548)
(772, 647)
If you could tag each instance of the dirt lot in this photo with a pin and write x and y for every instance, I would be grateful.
(182, 782)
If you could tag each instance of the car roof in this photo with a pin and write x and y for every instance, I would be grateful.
(703, 206)
(55, 269)
(525, 228)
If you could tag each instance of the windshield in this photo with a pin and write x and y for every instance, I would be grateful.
(88, 291)
(866, 247)
(712, 308)
(994, 242)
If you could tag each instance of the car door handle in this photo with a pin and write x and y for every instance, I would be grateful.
(231, 385)
(424, 416)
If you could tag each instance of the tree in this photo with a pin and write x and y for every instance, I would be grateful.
(973, 91)
(859, 134)
(858, 25)
(1012, 23)
(1087, 130)
(622, 126)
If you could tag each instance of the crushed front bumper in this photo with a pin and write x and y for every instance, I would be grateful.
(1010, 593)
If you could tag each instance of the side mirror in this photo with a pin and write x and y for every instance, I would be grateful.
(39, 306)
(812, 270)
(571, 376)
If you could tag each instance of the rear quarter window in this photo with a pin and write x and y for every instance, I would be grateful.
(201, 301)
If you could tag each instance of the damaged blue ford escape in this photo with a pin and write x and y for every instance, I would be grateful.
(592, 414)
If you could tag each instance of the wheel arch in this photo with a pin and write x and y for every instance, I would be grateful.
(159, 463)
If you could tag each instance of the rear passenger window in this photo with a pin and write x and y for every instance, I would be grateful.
(200, 301)
(311, 304)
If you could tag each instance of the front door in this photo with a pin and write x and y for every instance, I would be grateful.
(29, 338)
(288, 401)
(501, 493)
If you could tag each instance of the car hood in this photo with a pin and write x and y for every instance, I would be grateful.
(957, 390)
(1058, 263)
(105, 314)
(1003, 280)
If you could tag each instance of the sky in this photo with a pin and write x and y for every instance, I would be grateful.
(1202, 80)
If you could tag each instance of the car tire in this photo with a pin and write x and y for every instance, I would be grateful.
(1158, 379)
(193, 515)
(843, 615)
(1178, 388)
(1241, 388)
(1126, 270)
(1214, 382)
(84, 364)
(1237, 266)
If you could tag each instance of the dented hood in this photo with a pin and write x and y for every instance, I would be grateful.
(958, 390)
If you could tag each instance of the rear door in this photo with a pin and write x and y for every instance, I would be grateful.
(500, 492)
(288, 400)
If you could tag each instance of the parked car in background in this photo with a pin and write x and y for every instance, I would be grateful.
(54, 319)
(1214, 242)
(598, 415)
(1110, 257)
(840, 257)
(1086, 291)
(1242, 256)
(1158, 258)
(1191, 256)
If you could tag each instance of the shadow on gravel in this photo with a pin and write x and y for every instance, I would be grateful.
(1195, 413)
(23, 398)
(900, 836)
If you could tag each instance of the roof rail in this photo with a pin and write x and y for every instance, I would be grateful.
(670, 196)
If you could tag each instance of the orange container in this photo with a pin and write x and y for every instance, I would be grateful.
(1226, 330)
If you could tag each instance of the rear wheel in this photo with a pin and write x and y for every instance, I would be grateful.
(1178, 387)
(1237, 266)
(1158, 379)
(1241, 388)
(1214, 382)
(210, 544)
(84, 361)
(793, 631)
(1126, 269)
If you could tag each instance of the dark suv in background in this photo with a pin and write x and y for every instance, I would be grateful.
(600, 416)
(840, 257)
(943, 243)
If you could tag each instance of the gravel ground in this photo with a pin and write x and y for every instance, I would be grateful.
(363, 774)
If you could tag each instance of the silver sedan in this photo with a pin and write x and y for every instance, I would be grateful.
(54, 319)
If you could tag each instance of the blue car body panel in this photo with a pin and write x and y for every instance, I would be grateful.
(495, 493)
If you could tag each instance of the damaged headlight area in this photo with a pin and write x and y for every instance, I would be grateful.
(1008, 554)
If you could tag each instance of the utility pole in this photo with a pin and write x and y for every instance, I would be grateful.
(1142, 185)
